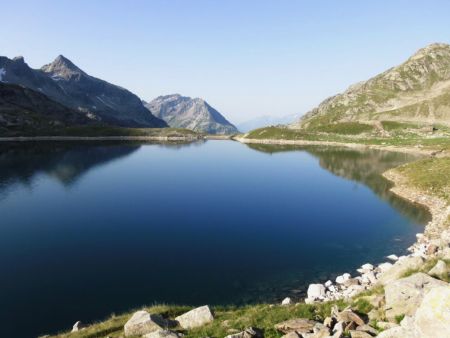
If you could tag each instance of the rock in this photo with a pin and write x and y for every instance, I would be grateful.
(328, 322)
(432, 249)
(404, 296)
(432, 318)
(370, 277)
(78, 326)
(316, 291)
(439, 270)
(322, 332)
(392, 257)
(300, 325)
(399, 268)
(359, 334)
(143, 322)
(386, 325)
(343, 278)
(397, 332)
(196, 317)
(292, 334)
(162, 334)
(367, 267)
(328, 283)
(383, 267)
(286, 301)
(348, 316)
(251, 332)
(368, 329)
(445, 254)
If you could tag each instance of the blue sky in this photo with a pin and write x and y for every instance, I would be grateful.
(246, 58)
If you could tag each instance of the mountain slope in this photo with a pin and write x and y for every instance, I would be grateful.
(23, 109)
(190, 113)
(65, 83)
(416, 91)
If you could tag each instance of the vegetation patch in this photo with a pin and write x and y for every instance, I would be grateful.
(345, 128)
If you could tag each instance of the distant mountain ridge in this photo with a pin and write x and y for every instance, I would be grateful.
(63, 82)
(416, 91)
(266, 120)
(190, 113)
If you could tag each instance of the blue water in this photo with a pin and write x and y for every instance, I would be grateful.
(91, 229)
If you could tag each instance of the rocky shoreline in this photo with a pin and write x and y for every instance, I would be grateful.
(408, 150)
(100, 138)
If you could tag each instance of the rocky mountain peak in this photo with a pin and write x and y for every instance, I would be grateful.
(19, 59)
(62, 67)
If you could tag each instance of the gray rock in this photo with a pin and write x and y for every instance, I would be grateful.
(191, 113)
(162, 334)
(368, 329)
(286, 301)
(347, 316)
(251, 332)
(439, 270)
(196, 317)
(78, 326)
(292, 334)
(432, 318)
(399, 268)
(404, 296)
(398, 332)
(300, 325)
(386, 325)
(359, 334)
(316, 291)
(143, 322)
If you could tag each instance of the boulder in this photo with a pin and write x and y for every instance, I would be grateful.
(78, 326)
(386, 325)
(439, 270)
(292, 334)
(392, 257)
(432, 318)
(359, 334)
(162, 334)
(328, 283)
(316, 291)
(348, 316)
(251, 332)
(368, 329)
(404, 296)
(383, 267)
(196, 317)
(398, 332)
(343, 278)
(143, 322)
(367, 267)
(399, 268)
(300, 325)
(286, 301)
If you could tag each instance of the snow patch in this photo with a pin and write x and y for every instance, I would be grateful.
(2, 73)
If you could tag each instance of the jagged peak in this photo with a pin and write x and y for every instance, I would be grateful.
(62, 65)
(19, 58)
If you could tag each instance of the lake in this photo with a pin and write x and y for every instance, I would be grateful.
(88, 229)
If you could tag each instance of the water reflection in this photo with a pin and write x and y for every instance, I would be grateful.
(364, 166)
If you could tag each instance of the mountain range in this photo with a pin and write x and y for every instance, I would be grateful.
(191, 113)
(63, 82)
(267, 120)
(418, 90)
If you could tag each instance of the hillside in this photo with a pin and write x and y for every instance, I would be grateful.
(24, 110)
(190, 113)
(417, 91)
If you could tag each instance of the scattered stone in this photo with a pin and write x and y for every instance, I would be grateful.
(162, 334)
(343, 278)
(316, 291)
(348, 316)
(300, 325)
(432, 318)
(439, 270)
(286, 301)
(392, 257)
(196, 317)
(399, 268)
(328, 283)
(367, 267)
(78, 326)
(404, 296)
(328, 322)
(432, 249)
(359, 334)
(368, 329)
(397, 332)
(292, 334)
(386, 325)
(251, 332)
(143, 322)
(383, 267)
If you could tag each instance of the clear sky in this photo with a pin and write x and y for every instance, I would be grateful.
(246, 58)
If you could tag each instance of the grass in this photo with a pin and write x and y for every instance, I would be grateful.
(102, 130)
(345, 128)
(431, 175)
(399, 318)
(227, 319)
(394, 125)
